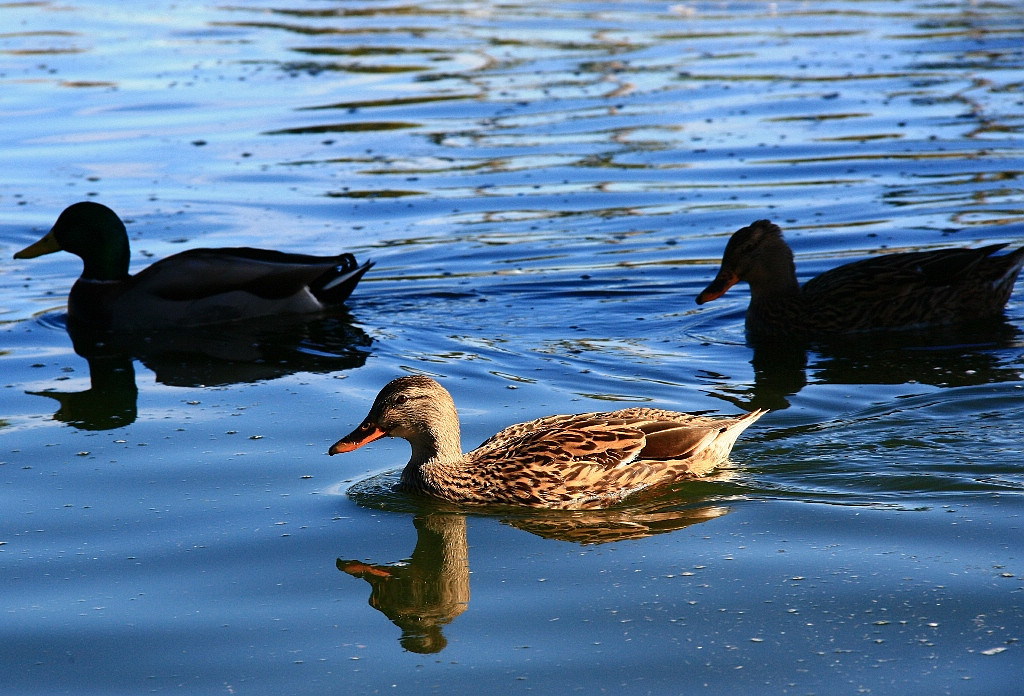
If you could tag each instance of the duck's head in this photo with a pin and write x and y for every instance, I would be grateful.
(757, 254)
(92, 231)
(414, 408)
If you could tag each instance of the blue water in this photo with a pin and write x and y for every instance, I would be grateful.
(544, 188)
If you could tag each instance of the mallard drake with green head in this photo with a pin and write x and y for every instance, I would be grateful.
(195, 287)
(589, 460)
(911, 290)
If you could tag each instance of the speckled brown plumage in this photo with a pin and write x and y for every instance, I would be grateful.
(589, 460)
(888, 292)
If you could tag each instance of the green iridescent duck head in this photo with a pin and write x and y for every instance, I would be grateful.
(91, 231)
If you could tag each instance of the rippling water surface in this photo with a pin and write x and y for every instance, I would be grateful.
(544, 187)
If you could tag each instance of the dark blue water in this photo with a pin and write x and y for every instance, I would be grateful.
(545, 188)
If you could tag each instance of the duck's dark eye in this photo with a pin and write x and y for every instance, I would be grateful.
(401, 399)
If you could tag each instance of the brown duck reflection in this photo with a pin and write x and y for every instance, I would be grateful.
(946, 357)
(242, 352)
(429, 590)
(604, 526)
(426, 592)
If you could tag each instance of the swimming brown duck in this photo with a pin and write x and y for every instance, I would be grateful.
(910, 290)
(590, 460)
(193, 288)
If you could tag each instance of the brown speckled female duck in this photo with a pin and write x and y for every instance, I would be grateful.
(589, 460)
(888, 292)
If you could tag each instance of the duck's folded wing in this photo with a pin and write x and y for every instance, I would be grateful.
(674, 441)
(519, 430)
(613, 438)
(201, 273)
(559, 442)
(880, 279)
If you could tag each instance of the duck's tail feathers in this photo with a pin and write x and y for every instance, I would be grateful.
(726, 436)
(335, 285)
(1002, 272)
(732, 432)
(1014, 262)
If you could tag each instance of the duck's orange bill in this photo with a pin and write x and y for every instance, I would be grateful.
(367, 432)
(357, 568)
(722, 282)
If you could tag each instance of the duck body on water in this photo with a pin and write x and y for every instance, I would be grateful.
(589, 460)
(192, 288)
(889, 292)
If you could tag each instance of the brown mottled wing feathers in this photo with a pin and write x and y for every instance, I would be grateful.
(605, 440)
(559, 443)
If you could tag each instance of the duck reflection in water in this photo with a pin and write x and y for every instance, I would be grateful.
(110, 401)
(428, 591)
(237, 353)
(423, 594)
(953, 356)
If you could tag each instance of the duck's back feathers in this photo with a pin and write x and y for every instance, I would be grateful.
(207, 286)
(913, 290)
(264, 273)
(908, 272)
(627, 433)
(594, 460)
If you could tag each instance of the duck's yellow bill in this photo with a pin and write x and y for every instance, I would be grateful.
(46, 245)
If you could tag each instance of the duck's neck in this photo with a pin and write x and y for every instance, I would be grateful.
(776, 303)
(774, 273)
(437, 459)
(440, 448)
(775, 298)
(109, 261)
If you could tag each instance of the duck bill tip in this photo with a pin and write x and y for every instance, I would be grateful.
(722, 282)
(365, 433)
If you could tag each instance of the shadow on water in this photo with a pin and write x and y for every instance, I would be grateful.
(946, 357)
(238, 353)
(425, 592)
